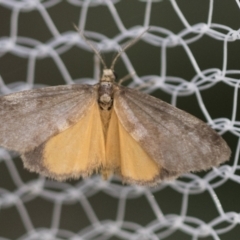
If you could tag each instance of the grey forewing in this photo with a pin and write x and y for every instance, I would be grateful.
(175, 139)
(30, 117)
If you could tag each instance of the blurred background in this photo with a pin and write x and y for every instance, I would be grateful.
(189, 57)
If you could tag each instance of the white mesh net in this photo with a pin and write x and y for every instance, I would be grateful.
(190, 56)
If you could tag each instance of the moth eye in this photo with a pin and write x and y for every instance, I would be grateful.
(115, 75)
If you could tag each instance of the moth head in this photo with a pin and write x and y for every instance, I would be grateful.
(108, 76)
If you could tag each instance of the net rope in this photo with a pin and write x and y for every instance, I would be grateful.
(164, 223)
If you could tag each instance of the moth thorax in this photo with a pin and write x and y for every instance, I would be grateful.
(105, 97)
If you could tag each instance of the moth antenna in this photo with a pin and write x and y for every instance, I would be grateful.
(129, 44)
(90, 45)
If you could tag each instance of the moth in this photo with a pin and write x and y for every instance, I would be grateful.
(72, 131)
